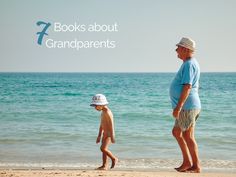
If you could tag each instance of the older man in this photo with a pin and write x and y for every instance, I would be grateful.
(186, 105)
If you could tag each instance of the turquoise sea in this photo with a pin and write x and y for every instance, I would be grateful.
(46, 120)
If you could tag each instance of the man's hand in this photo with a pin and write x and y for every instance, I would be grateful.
(98, 139)
(176, 113)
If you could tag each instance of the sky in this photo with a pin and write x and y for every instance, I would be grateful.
(147, 32)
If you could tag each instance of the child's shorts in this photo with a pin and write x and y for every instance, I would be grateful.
(187, 118)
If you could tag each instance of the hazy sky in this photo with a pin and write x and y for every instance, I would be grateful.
(145, 42)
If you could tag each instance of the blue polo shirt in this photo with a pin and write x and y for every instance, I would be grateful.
(189, 73)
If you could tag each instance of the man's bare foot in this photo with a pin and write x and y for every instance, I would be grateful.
(114, 162)
(102, 168)
(193, 170)
(184, 167)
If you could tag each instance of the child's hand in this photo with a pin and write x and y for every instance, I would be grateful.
(113, 140)
(98, 139)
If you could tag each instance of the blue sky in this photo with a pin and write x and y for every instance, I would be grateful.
(145, 41)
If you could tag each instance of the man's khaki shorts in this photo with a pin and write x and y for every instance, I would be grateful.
(187, 119)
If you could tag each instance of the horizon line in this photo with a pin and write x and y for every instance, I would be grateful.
(99, 72)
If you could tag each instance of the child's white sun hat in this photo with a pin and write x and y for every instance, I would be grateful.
(99, 100)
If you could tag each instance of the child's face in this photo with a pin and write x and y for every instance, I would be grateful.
(98, 107)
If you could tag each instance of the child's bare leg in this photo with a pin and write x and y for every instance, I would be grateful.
(104, 162)
(104, 149)
(104, 159)
(114, 162)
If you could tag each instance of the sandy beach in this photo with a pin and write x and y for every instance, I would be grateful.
(95, 173)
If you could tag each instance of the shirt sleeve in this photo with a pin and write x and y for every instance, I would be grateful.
(188, 74)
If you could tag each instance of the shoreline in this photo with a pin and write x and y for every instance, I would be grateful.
(110, 173)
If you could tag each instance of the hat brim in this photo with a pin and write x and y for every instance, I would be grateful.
(97, 104)
(185, 47)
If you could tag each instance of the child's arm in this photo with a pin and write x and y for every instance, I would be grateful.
(111, 128)
(99, 134)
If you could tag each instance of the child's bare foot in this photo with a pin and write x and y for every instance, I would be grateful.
(193, 170)
(184, 167)
(101, 168)
(114, 162)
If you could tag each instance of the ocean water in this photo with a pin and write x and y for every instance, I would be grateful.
(46, 120)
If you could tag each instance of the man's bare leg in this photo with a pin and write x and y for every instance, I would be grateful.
(193, 149)
(177, 133)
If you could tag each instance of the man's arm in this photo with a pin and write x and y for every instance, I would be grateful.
(183, 97)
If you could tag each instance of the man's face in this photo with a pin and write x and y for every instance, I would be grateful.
(98, 107)
(179, 51)
(182, 52)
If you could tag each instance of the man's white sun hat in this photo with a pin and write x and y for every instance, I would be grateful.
(99, 100)
(187, 43)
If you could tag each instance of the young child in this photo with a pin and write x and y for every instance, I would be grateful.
(106, 130)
